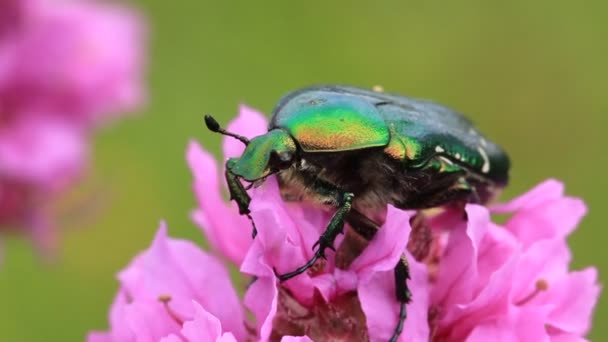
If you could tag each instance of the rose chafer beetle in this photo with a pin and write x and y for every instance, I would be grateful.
(359, 150)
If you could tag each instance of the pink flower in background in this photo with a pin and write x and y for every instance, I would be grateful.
(83, 59)
(477, 280)
(11, 15)
(64, 67)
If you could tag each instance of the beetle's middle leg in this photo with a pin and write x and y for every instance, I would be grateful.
(327, 238)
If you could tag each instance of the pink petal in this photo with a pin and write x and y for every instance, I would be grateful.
(553, 219)
(491, 303)
(120, 330)
(285, 237)
(273, 247)
(82, 57)
(573, 299)
(296, 339)
(172, 338)
(543, 213)
(98, 337)
(568, 338)
(148, 320)
(286, 234)
(178, 268)
(44, 151)
(546, 191)
(203, 327)
(547, 260)
(495, 249)
(261, 298)
(381, 308)
(227, 337)
(227, 231)
(458, 271)
(525, 325)
(12, 13)
(385, 249)
(249, 123)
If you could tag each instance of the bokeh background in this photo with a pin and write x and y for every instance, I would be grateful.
(533, 75)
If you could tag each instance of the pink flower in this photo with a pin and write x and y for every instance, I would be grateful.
(171, 289)
(45, 152)
(481, 280)
(64, 66)
(174, 292)
(11, 15)
(513, 281)
(81, 58)
(471, 279)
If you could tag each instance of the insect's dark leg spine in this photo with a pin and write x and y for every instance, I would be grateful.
(326, 240)
(404, 296)
(240, 196)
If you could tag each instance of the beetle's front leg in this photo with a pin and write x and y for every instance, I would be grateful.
(326, 240)
(240, 196)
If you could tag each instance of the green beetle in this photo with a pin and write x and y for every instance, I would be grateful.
(359, 150)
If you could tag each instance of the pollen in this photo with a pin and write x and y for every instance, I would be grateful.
(541, 285)
(165, 299)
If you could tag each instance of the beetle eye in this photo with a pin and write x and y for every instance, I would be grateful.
(281, 160)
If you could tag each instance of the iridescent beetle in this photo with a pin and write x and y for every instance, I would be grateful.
(359, 150)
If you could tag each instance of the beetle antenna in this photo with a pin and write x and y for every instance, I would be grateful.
(214, 126)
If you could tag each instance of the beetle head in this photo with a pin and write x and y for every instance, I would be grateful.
(265, 154)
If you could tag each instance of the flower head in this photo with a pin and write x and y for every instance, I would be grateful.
(480, 273)
(174, 292)
(81, 58)
(471, 279)
(492, 277)
(64, 67)
(170, 288)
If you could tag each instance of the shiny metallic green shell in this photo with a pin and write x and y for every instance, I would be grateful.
(340, 118)
(324, 122)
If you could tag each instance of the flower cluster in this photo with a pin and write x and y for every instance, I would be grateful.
(471, 279)
(65, 67)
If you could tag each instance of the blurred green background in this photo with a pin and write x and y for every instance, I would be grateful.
(533, 75)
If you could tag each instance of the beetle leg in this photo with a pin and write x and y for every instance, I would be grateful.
(240, 196)
(326, 240)
(404, 296)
